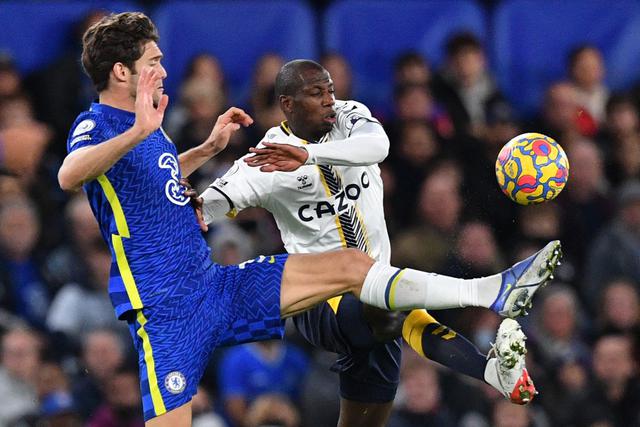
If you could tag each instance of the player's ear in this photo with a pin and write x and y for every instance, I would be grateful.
(286, 103)
(120, 71)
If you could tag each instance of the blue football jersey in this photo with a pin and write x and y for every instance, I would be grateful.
(159, 254)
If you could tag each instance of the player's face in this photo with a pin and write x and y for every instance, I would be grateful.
(151, 57)
(312, 109)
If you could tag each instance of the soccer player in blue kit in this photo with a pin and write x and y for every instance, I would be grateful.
(178, 304)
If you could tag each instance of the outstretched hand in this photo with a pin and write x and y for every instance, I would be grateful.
(196, 203)
(226, 124)
(148, 116)
(277, 157)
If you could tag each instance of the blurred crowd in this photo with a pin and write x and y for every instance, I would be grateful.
(66, 361)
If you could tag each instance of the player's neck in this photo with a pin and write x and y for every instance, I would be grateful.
(122, 101)
(307, 136)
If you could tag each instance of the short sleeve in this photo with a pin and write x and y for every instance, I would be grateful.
(87, 130)
(244, 186)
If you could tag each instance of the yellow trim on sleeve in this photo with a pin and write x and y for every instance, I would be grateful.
(156, 396)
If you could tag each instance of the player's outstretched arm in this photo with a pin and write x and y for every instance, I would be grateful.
(367, 145)
(226, 124)
(87, 163)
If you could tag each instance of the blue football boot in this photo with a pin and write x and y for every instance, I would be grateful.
(521, 281)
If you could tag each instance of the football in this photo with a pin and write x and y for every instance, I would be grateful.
(532, 168)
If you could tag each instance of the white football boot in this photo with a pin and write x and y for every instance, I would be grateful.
(506, 370)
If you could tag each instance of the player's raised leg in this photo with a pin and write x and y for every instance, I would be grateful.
(311, 278)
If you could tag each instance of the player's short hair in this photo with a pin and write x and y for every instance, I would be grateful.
(289, 79)
(115, 38)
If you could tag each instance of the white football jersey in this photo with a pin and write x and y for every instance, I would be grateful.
(317, 207)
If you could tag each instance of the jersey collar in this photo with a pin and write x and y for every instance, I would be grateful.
(284, 126)
(96, 107)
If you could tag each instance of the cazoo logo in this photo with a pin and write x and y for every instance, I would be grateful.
(340, 203)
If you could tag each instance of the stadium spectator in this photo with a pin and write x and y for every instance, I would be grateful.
(426, 244)
(620, 308)
(420, 401)
(252, 370)
(614, 252)
(557, 332)
(614, 392)
(410, 68)
(60, 90)
(102, 355)
(464, 85)
(620, 140)
(22, 139)
(10, 78)
(58, 410)
(20, 363)
(272, 410)
(475, 254)
(123, 402)
(80, 307)
(320, 405)
(415, 102)
(24, 291)
(414, 153)
(202, 67)
(562, 117)
(203, 415)
(61, 265)
(505, 415)
(341, 75)
(586, 72)
(586, 206)
(264, 105)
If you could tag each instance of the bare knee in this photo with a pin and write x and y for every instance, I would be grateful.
(354, 266)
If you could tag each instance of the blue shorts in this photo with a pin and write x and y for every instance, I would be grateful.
(238, 304)
(369, 370)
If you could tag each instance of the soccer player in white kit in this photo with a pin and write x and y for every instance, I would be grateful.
(318, 174)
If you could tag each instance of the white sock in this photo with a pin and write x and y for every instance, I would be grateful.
(394, 289)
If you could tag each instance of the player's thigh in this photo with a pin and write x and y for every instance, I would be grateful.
(179, 417)
(309, 279)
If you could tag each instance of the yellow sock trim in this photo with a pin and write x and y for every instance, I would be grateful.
(413, 328)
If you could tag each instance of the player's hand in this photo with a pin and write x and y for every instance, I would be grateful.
(148, 116)
(277, 157)
(196, 203)
(227, 123)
